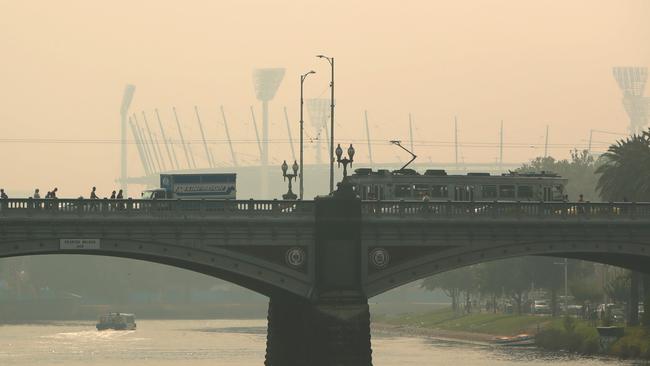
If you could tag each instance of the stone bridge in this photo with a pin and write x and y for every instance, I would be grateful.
(319, 261)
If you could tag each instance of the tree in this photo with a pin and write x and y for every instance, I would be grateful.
(625, 170)
(625, 176)
(508, 277)
(646, 301)
(617, 289)
(454, 283)
(579, 171)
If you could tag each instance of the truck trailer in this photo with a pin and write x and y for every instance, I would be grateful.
(220, 186)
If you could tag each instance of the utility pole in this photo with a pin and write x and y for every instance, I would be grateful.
(591, 135)
(331, 61)
(501, 146)
(546, 143)
(302, 128)
(411, 131)
(456, 140)
(368, 137)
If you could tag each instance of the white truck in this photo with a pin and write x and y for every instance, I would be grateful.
(219, 186)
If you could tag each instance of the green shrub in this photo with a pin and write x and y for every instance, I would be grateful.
(590, 346)
(569, 324)
(635, 344)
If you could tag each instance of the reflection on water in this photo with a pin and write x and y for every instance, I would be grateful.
(230, 343)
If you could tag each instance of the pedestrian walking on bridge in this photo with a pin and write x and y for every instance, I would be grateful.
(112, 206)
(3, 197)
(93, 194)
(120, 196)
(37, 196)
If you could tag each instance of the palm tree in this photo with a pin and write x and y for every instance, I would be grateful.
(625, 170)
(625, 175)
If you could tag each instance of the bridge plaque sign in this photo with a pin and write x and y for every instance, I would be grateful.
(295, 257)
(76, 244)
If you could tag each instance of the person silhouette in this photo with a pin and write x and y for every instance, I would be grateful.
(120, 196)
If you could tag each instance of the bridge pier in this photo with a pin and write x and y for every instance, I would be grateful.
(333, 327)
(319, 334)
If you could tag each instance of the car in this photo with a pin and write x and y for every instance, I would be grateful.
(575, 309)
(541, 307)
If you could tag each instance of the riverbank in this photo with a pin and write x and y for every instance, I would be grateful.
(475, 326)
(553, 334)
(580, 337)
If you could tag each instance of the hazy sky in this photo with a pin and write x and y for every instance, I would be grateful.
(64, 65)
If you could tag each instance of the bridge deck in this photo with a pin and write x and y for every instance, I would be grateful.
(301, 210)
(77, 208)
(403, 210)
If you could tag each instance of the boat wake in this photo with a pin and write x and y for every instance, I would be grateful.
(90, 335)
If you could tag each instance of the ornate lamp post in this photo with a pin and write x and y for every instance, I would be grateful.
(289, 195)
(331, 61)
(302, 150)
(346, 160)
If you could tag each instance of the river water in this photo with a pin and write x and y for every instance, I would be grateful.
(231, 343)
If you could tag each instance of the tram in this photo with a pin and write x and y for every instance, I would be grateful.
(437, 185)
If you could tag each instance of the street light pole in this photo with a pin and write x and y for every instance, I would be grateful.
(285, 167)
(346, 160)
(302, 122)
(566, 284)
(331, 61)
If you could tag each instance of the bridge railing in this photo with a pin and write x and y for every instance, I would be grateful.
(450, 209)
(158, 208)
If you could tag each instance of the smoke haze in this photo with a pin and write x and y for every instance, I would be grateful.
(64, 65)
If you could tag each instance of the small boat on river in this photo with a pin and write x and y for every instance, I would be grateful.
(117, 321)
(519, 340)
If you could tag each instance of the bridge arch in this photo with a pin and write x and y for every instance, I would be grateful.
(263, 277)
(623, 252)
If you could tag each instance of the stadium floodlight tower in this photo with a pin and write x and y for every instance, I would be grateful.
(124, 111)
(632, 82)
(266, 82)
(319, 113)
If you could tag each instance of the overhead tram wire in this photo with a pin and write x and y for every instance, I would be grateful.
(427, 143)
